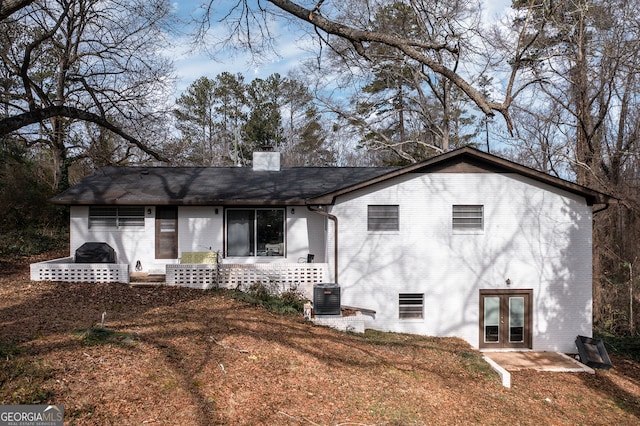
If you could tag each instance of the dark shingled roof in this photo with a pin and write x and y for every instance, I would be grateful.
(289, 186)
(212, 185)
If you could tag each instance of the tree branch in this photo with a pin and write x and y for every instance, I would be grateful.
(408, 47)
(8, 7)
(10, 124)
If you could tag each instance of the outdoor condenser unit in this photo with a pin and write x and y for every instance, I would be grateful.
(326, 299)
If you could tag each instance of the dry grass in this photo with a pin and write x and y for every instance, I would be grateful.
(181, 356)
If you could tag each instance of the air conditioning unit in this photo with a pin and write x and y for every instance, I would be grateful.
(326, 299)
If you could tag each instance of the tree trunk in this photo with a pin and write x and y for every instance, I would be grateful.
(585, 150)
(59, 155)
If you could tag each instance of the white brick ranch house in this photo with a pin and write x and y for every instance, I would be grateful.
(464, 244)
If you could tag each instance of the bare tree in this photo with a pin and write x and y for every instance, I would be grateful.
(352, 21)
(442, 44)
(8, 7)
(90, 60)
(584, 55)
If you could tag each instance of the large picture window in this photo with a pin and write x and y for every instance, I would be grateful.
(255, 232)
(116, 217)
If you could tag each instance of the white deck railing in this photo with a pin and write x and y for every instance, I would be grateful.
(66, 270)
(281, 276)
(202, 276)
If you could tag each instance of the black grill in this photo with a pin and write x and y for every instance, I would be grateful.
(95, 253)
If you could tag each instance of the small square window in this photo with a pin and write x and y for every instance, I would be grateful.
(383, 218)
(411, 305)
(468, 217)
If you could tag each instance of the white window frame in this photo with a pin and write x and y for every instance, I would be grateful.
(384, 217)
(411, 306)
(116, 217)
(467, 218)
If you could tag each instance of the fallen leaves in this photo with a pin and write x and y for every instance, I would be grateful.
(184, 356)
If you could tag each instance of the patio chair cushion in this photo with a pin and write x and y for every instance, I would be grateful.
(199, 257)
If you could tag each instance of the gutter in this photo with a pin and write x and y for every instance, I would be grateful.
(321, 212)
(601, 209)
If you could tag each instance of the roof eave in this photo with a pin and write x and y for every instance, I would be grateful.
(591, 196)
(247, 202)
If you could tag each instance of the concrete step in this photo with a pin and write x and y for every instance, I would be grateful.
(146, 284)
(144, 279)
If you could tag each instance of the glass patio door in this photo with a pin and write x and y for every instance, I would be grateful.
(505, 319)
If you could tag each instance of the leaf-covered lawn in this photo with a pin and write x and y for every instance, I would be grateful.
(181, 356)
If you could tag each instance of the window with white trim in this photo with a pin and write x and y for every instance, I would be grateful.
(116, 217)
(255, 232)
(411, 305)
(468, 217)
(383, 218)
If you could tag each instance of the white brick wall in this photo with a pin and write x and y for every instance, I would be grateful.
(535, 235)
(199, 229)
(130, 245)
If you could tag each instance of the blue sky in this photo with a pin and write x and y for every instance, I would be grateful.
(191, 64)
(194, 63)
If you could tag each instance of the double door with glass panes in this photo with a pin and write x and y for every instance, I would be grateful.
(505, 319)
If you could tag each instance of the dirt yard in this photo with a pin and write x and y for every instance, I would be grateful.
(188, 357)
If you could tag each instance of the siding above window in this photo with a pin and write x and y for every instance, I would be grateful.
(411, 305)
(468, 217)
(116, 217)
(383, 218)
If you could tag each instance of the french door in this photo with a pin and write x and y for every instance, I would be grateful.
(505, 319)
(166, 232)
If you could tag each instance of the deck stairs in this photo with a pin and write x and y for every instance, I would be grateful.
(142, 279)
